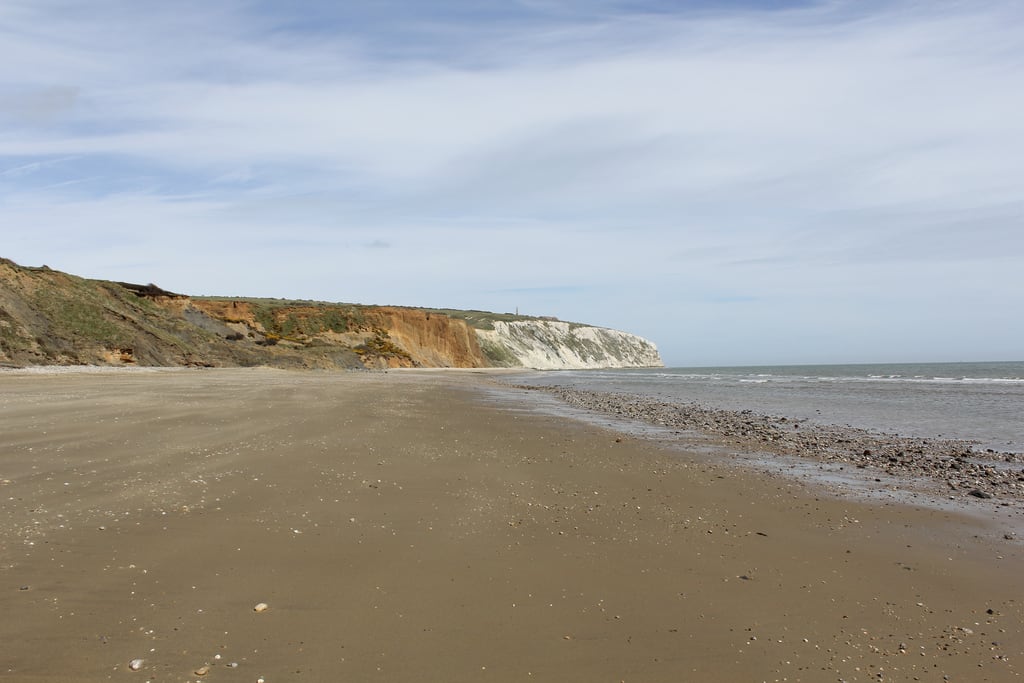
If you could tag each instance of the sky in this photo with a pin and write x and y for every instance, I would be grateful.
(742, 182)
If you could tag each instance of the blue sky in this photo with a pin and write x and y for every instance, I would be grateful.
(741, 182)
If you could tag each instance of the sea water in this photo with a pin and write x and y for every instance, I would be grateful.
(981, 402)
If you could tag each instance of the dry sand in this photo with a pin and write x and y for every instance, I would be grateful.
(400, 527)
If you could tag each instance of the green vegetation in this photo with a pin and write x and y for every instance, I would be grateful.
(290, 320)
(381, 345)
(497, 354)
(484, 320)
(10, 341)
(80, 311)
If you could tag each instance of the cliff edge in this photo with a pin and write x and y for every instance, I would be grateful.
(52, 318)
(556, 345)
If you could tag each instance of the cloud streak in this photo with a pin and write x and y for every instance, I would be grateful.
(627, 145)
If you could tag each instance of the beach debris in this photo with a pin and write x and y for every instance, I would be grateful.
(956, 463)
(261, 607)
(202, 671)
(135, 664)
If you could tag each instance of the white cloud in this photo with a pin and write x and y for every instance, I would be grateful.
(704, 156)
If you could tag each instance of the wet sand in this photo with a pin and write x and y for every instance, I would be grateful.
(401, 527)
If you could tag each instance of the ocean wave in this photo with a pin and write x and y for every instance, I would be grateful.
(791, 379)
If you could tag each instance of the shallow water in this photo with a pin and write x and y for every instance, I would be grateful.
(981, 402)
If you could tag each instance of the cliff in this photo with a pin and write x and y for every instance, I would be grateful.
(53, 318)
(556, 345)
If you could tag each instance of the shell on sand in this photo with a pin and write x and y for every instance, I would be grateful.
(202, 671)
(135, 664)
(261, 607)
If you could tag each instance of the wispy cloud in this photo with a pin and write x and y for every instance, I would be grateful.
(723, 147)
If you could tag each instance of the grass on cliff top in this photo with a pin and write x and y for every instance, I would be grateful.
(484, 320)
(481, 320)
(80, 312)
(269, 302)
(289, 317)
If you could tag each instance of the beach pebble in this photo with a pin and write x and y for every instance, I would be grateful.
(951, 462)
(135, 664)
(261, 607)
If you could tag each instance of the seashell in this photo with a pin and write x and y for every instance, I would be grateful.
(202, 671)
(261, 607)
(135, 664)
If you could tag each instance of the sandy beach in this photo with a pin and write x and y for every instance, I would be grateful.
(402, 527)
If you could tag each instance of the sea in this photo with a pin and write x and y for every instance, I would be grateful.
(980, 402)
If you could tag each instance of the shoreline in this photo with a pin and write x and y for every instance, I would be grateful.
(404, 526)
(951, 466)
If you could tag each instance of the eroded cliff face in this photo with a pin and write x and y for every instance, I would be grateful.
(379, 336)
(52, 318)
(556, 345)
(431, 340)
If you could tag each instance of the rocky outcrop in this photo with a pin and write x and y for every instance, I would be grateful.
(556, 345)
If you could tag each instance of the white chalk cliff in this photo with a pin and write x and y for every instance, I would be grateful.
(556, 345)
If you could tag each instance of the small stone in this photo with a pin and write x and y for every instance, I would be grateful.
(261, 607)
(135, 664)
(978, 493)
